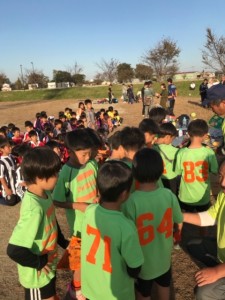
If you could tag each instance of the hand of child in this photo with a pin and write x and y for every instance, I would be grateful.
(8, 192)
(80, 206)
(46, 269)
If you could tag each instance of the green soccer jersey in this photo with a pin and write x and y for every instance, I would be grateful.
(135, 184)
(194, 166)
(37, 231)
(109, 244)
(217, 212)
(76, 185)
(223, 130)
(167, 153)
(154, 214)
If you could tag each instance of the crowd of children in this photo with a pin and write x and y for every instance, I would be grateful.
(123, 208)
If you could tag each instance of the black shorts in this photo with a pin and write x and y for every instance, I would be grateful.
(194, 208)
(145, 286)
(45, 292)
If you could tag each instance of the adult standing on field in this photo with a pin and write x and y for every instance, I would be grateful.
(124, 92)
(148, 102)
(172, 94)
(216, 100)
(203, 90)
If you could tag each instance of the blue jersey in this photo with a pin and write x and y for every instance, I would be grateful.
(172, 90)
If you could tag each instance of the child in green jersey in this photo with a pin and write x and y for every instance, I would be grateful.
(132, 139)
(209, 251)
(154, 210)
(117, 152)
(33, 244)
(195, 163)
(150, 129)
(111, 256)
(163, 145)
(75, 189)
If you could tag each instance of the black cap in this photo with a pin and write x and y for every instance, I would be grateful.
(216, 92)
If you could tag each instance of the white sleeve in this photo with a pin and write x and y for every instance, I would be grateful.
(206, 219)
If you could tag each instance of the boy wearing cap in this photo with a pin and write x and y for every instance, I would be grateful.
(216, 100)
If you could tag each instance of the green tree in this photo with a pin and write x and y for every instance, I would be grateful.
(18, 85)
(61, 76)
(36, 77)
(124, 72)
(78, 79)
(3, 79)
(162, 58)
(213, 55)
(143, 72)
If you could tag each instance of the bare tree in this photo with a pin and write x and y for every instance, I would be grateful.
(75, 69)
(162, 58)
(109, 69)
(214, 54)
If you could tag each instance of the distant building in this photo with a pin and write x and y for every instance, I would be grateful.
(33, 86)
(6, 87)
(51, 85)
(62, 85)
(192, 75)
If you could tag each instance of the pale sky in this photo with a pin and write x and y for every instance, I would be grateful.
(55, 34)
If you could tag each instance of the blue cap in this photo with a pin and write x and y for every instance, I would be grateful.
(216, 92)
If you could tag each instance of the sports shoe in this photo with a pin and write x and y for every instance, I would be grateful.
(176, 247)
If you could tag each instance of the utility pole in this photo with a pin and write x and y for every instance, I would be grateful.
(21, 69)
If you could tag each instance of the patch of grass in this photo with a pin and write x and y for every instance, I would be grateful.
(95, 92)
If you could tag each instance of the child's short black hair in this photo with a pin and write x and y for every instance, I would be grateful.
(87, 101)
(115, 140)
(150, 126)
(198, 128)
(57, 122)
(40, 162)
(95, 137)
(157, 114)
(167, 129)
(114, 177)
(52, 144)
(15, 129)
(11, 126)
(78, 139)
(147, 165)
(28, 124)
(32, 133)
(21, 149)
(80, 104)
(132, 138)
(3, 141)
(48, 130)
(110, 108)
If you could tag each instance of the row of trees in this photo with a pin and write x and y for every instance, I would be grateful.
(158, 62)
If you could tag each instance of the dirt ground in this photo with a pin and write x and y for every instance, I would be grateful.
(17, 112)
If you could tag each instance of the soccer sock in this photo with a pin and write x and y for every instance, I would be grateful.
(76, 285)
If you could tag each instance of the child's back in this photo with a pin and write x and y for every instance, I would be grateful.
(110, 249)
(116, 247)
(154, 210)
(154, 213)
(194, 164)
